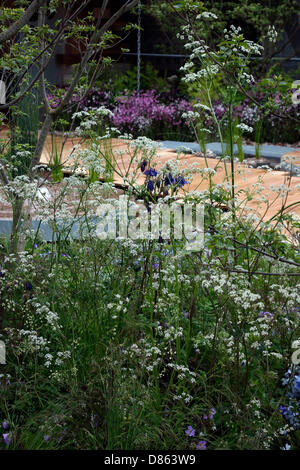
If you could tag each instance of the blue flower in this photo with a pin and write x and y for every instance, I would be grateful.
(190, 431)
(289, 413)
(286, 447)
(143, 166)
(6, 439)
(169, 180)
(150, 172)
(150, 185)
(201, 445)
(180, 181)
(296, 386)
(266, 314)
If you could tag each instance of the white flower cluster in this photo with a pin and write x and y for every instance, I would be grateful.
(61, 356)
(34, 343)
(89, 159)
(206, 15)
(243, 127)
(51, 317)
(207, 71)
(272, 34)
(90, 119)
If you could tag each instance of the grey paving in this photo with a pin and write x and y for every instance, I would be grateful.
(274, 152)
(71, 229)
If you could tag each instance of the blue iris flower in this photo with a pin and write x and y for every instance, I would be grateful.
(150, 172)
(169, 180)
(180, 181)
(150, 185)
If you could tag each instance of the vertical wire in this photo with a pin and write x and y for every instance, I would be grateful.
(139, 47)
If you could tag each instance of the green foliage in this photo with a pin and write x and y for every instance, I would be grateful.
(150, 79)
(255, 17)
(24, 125)
(10, 14)
(108, 370)
(143, 344)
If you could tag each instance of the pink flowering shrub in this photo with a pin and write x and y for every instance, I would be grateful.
(145, 113)
(159, 116)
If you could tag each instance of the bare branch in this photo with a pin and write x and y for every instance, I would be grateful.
(91, 50)
(126, 7)
(42, 85)
(258, 273)
(41, 141)
(66, 21)
(265, 253)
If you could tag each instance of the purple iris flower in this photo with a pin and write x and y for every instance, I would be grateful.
(201, 445)
(6, 438)
(190, 431)
(5, 425)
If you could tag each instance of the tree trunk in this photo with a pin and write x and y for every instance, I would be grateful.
(15, 240)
